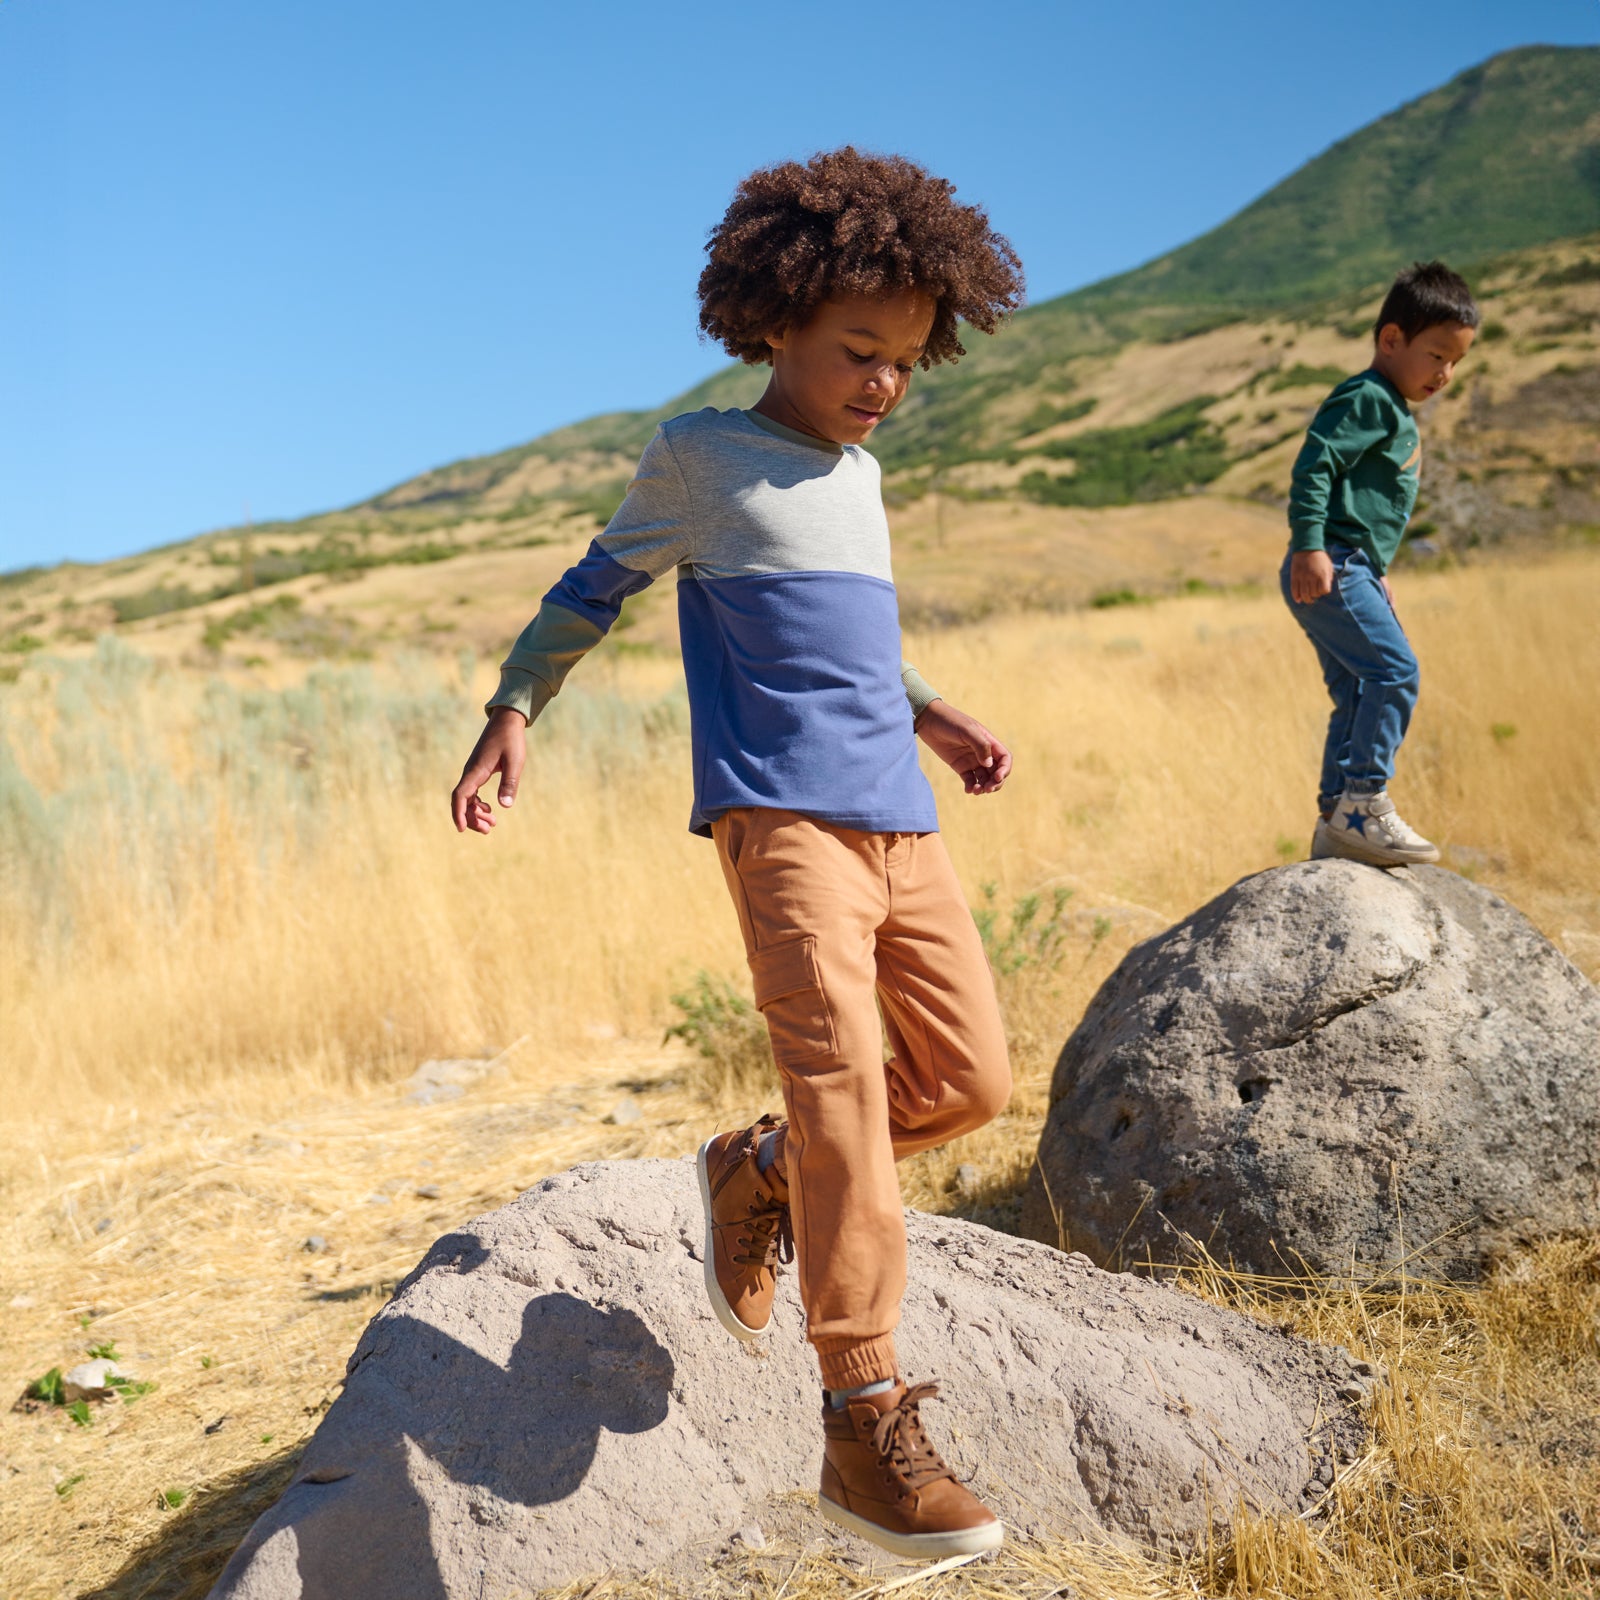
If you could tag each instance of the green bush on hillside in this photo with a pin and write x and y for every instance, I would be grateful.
(1045, 415)
(158, 601)
(1300, 376)
(1177, 451)
(1586, 269)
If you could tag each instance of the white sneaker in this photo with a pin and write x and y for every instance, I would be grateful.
(1367, 827)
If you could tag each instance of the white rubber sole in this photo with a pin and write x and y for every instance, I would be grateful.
(933, 1546)
(719, 1301)
(1338, 846)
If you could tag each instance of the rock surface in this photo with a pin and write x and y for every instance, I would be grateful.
(549, 1395)
(1329, 1063)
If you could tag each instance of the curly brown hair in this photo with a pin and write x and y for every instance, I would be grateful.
(846, 223)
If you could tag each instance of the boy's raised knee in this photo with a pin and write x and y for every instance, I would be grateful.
(991, 1095)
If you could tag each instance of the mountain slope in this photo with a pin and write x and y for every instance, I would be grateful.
(1504, 156)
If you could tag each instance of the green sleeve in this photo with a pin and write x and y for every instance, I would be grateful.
(919, 691)
(1346, 427)
(545, 652)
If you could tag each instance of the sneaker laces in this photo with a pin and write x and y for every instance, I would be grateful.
(769, 1236)
(1395, 828)
(901, 1444)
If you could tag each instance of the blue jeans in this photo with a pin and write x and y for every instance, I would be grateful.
(1369, 668)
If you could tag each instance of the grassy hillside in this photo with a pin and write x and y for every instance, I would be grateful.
(1504, 156)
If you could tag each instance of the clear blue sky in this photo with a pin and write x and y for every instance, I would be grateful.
(275, 257)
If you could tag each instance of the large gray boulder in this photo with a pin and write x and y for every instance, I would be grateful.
(549, 1395)
(1329, 1065)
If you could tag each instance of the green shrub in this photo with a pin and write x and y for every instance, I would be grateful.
(1300, 376)
(219, 630)
(49, 1388)
(158, 601)
(1177, 451)
(1029, 939)
(1045, 415)
(1586, 269)
(600, 503)
(730, 1037)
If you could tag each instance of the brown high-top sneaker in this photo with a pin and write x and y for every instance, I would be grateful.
(882, 1478)
(747, 1229)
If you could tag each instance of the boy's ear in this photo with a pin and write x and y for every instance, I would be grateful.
(1390, 338)
(776, 338)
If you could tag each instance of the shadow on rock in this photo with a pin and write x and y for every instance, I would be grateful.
(522, 1434)
(183, 1560)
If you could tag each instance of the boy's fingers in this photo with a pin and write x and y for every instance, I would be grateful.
(480, 765)
(511, 772)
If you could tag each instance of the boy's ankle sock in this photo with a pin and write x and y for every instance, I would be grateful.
(840, 1398)
(1364, 788)
(769, 1152)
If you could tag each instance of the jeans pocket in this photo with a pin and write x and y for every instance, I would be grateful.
(789, 994)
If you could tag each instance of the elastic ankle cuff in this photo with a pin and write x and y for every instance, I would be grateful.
(853, 1363)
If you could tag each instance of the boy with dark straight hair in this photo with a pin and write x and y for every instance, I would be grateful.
(1353, 488)
(843, 274)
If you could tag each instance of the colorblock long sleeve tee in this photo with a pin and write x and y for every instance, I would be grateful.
(1355, 479)
(790, 628)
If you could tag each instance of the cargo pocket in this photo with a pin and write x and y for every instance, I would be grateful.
(789, 994)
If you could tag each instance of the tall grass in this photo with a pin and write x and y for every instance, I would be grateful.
(205, 882)
(219, 903)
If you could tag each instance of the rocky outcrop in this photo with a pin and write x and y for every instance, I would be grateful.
(549, 1395)
(1329, 1064)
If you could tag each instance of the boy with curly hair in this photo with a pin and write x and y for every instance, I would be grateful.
(843, 274)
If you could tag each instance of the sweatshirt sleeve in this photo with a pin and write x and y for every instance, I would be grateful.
(919, 691)
(1346, 427)
(649, 535)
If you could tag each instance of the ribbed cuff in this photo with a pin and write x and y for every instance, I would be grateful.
(919, 691)
(521, 691)
(851, 1363)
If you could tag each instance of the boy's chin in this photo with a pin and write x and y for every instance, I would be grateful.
(853, 429)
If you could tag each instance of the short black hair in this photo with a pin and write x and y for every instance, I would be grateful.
(1426, 294)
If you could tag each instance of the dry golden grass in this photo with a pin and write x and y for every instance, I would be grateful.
(230, 921)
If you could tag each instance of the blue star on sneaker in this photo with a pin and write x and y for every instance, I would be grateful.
(1356, 822)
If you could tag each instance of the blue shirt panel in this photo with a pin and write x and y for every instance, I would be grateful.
(796, 701)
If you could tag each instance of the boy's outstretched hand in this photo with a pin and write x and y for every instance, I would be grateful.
(502, 747)
(966, 746)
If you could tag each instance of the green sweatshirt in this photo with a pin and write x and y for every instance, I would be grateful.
(1355, 479)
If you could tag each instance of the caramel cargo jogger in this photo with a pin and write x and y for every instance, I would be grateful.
(835, 919)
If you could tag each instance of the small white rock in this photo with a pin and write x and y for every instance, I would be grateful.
(625, 1111)
(90, 1380)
